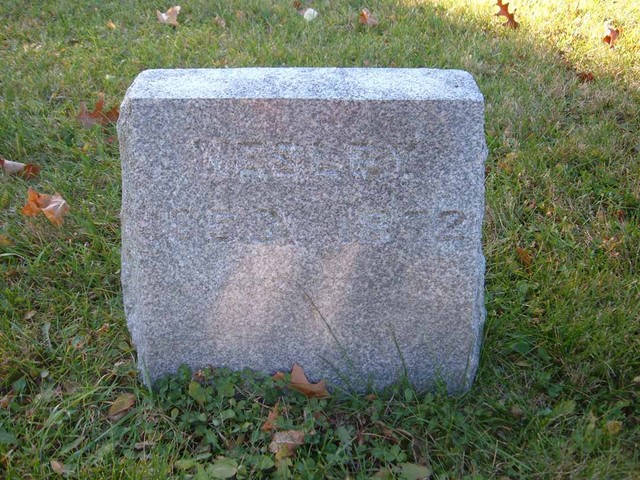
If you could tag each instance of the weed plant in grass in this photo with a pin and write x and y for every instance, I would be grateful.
(557, 394)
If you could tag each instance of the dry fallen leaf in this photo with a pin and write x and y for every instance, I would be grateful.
(170, 17)
(58, 467)
(585, 77)
(271, 418)
(524, 256)
(300, 383)
(25, 170)
(97, 116)
(121, 405)
(5, 241)
(365, 18)
(111, 25)
(611, 34)
(218, 20)
(278, 376)
(283, 444)
(613, 427)
(504, 12)
(53, 206)
(6, 400)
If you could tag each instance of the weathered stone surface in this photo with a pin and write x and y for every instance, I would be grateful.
(329, 217)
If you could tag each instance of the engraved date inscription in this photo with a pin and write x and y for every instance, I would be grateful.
(273, 226)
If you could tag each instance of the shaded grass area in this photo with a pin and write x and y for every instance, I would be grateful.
(557, 391)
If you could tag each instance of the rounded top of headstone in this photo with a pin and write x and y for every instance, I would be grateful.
(306, 83)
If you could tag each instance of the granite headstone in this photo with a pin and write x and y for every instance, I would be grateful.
(330, 217)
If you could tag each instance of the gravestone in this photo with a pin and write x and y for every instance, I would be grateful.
(321, 216)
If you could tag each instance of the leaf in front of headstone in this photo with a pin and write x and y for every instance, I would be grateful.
(53, 206)
(611, 34)
(223, 468)
(197, 392)
(56, 209)
(300, 383)
(270, 424)
(504, 12)
(284, 444)
(170, 17)
(412, 471)
(121, 405)
(97, 116)
(25, 170)
(524, 256)
(365, 18)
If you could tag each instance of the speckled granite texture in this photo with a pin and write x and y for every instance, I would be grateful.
(329, 217)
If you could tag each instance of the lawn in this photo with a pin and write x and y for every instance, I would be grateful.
(558, 390)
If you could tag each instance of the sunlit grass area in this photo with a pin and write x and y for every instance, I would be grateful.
(557, 393)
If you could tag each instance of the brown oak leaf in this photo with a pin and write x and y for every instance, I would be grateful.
(504, 12)
(25, 170)
(524, 256)
(97, 116)
(170, 17)
(611, 34)
(300, 383)
(365, 18)
(53, 206)
(271, 418)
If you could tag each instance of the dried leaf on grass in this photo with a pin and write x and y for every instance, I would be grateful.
(300, 383)
(613, 427)
(53, 206)
(6, 400)
(611, 34)
(59, 467)
(121, 405)
(585, 77)
(5, 241)
(524, 256)
(284, 444)
(97, 116)
(504, 12)
(270, 424)
(365, 18)
(170, 17)
(25, 170)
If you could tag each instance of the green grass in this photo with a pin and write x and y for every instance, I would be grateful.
(561, 355)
